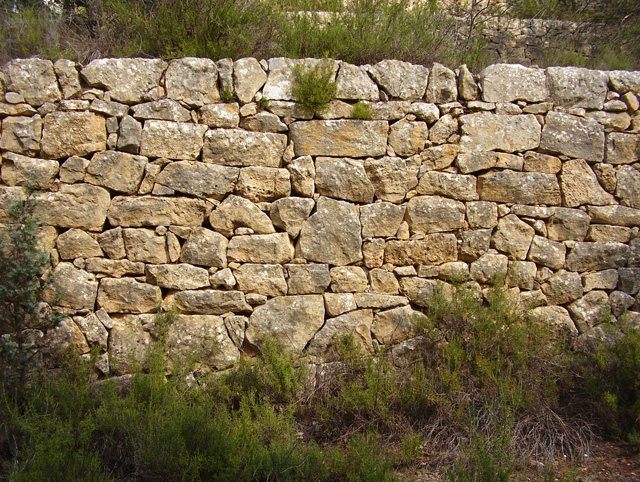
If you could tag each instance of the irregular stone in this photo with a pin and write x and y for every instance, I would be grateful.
(390, 110)
(434, 249)
(601, 280)
(225, 75)
(109, 109)
(442, 86)
(177, 276)
(513, 236)
(236, 147)
(264, 122)
(114, 268)
(391, 177)
(199, 179)
(112, 243)
(443, 129)
(484, 131)
(225, 116)
(489, 269)
(566, 224)
(129, 135)
(438, 157)
(615, 215)
(20, 170)
(205, 248)
(68, 77)
(379, 301)
(383, 282)
(209, 302)
(163, 109)
(248, 78)
(338, 138)
(116, 170)
(622, 148)
(408, 137)
(260, 184)
(291, 321)
(261, 248)
(373, 252)
(536, 162)
(401, 79)
(619, 303)
(353, 83)
(173, 140)
(290, 213)
(264, 279)
(519, 187)
(469, 162)
(223, 279)
(129, 345)
(597, 256)
(577, 87)
(590, 310)
(236, 212)
(604, 233)
(73, 134)
(343, 179)
(628, 186)
(236, 325)
(76, 206)
(127, 80)
(563, 287)
(21, 134)
(547, 253)
(381, 219)
(348, 279)
(75, 243)
(433, 214)
(624, 81)
(456, 186)
(634, 253)
(558, 319)
(580, 186)
(193, 81)
(71, 288)
(34, 79)
(419, 290)
(332, 234)
(66, 336)
(156, 211)
(306, 279)
(573, 136)
(482, 214)
(145, 246)
(303, 172)
(396, 325)
(506, 83)
(93, 330)
(629, 280)
(467, 87)
(521, 274)
(619, 121)
(338, 303)
(355, 323)
(16, 109)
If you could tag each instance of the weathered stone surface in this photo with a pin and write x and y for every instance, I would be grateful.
(597, 256)
(353, 83)
(68, 77)
(469, 162)
(355, 323)
(484, 131)
(419, 290)
(290, 320)
(634, 253)
(76, 206)
(407, 138)
(129, 135)
(236, 147)
(537, 162)
(379, 301)
(577, 87)
(75, 243)
(209, 302)
(513, 236)
(547, 253)
(116, 170)
(580, 186)
(590, 310)
(73, 134)
(563, 287)
(145, 246)
(34, 79)
(519, 187)
(113, 268)
(129, 344)
(601, 280)
(108, 108)
(193, 81)
(506, 83)
(264, 279)
(259, 184)
(156, 211)
(223, 279)
(290, 213)
(396, 325)
(205, 248)
(127, 80)
(236, 212)
(177, 276)
(439, 157)
(261, 248)
(624, 81)
(332, 234)
(442, 86)
(521, 274)
(573, 136)
(71, 288)
(163, 109)
(348, 138)
(433, 214)
(307, 279)
(21, 134)
(558, 319)
(401, 79)
(391, 177)
(248, 78)
(629, 280)
(173, 140)
(220, 115)
(199, 179)
(112, 243)
(620, 302)
(381, 219)
(444, 130)
(482, 214)
(566, 224)
(264, 122)
(92, 329)
(489, 268)
(615, 215)
(337, 303)
(467, 87)
(619, 121)
(343, 179)
(303, 172)
(236, 325)
(348, 279)
(20, 170)
(434, 249)
(622, 148)
(628, 186)
(373, 252)
(456, 186)
(383, 282)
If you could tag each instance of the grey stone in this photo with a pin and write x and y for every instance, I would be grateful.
(407, 138)
(66, 336)
(93, 330)
(442, 86)
(446, 127)
(338, 303)
(71, 288)
(577, 87)
(489, 268)
(129, 135)
(391, 177)
(624, 81)
(304, 279)
(21, 134)
(519, 187)
(109, 109)
(205, 248)
(628, 186)
(568, 224)
(563, 287)
(199, 179)
(506, 83)
(482, 214)
(209, 302)
(290, 213)
(622, 148)
(619, 303)
(379, 301)
(559, 320)
(597, 256)
(395, 325)
(629, 280)
(236, 147)
(355, 323)
(547, 253)
(248, 78)
(68, 77)
(513, 236)
(235, 212)
(615, 215)
(173, 140)
(193, 81)
(223, 279)
(433, 214)
(260, 184)
(438, 157)
(521, 274)
(573, 136)
(225, 116)
(353, 83)
(34, 79)
(381, 219)
(145, 246)
(467, 87)
(302, 171)
(401, 79)
(264, 279)
(420, 291)
(264, 122)
(484, 131)
(590, 310)
(129, 345)
(383, 282)
(163, 109)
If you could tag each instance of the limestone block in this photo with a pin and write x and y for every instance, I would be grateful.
(407, 138)
(469, 162)
(332, 234)
(72, 170)
(173, 140)
(373, 252)
(68, 77)
(484, 131)
(619, 121)
(355, 323)
(93, 330)
(590, 310)
(199, 179)
(566, 224)
(379, 301)
(600, 280)
(443, 129)
(383, 282)
(467, 87)
(236, 212)
(537, 162)
(442, 86)
(209, 302)
(193, 81)
(156, 211)
(381, 219)
(343, 179)
(223, 279)
(177, 276)
(395, 325)
(456, 186)
(34, 79)
(513, 236)
(489, 268)
(339, 303)
(75, 243)
(303, 172)
(580, 185)
(261, 248)
(629, 280)
(420, 291)
(205, 248)
(433, 214)
(622, 148)
(73, 134)
(558, 319)
(401, 79)
(348, 279)
(225, 116)
(506, 83)
(634, 253)
(129, 135)
(519, 187)
(129, 344)
(145, 246)
(71, 288)
(236, 325)
(21, 134)
(577, 87)
(20, 170)
(597, 256)
(66, 336)
(116, 170)
(113, 268)
(290, 213)
(482, 214)
(438, 157)
(163, 109)
(521, 274)
(624, 81)
(391, 177)
(112, 243)
(305, 279)
(76, 206)
(127, 80)
(353, 83)
(615, 215)
(260, 184)
(236, 147)
(264, 279)
(563, 287)
(248, 78)
(547, 253)
(628, 186)
(264, 122)
(573, 136)
(108, 109)
(433, 249)
(337, 138)
(291, 320)
(619, 303)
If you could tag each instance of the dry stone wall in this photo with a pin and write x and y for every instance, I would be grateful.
(253, 216)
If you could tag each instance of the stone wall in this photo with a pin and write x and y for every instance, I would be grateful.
(202, 188)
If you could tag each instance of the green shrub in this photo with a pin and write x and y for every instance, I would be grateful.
(361, 111)
(314, 86)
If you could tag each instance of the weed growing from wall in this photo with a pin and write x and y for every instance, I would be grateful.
(314, 86)
(361, 111)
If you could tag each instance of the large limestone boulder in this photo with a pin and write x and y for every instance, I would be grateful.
(156, 211)
(76, 243)
(457, 186)
(199, 179)
(563, 287)
(580, 185)
(177, 276)
(261, 248)
(73, 134)
(566, 224)
(442, 86)
(433, 249)
(118, 171)
(392, 178)
(353, 83)
(163, 109)
(519, 187)
(337, 138)
(343, 179)
(193, 81)
(434, 214)
(236, 147)
(332, 234)
(248, 78)
(205, 248)
(290, 320)
(129, 344)
(34, 79)
(306, 279)
(597, 256)
(126, 295)
(401, 79)
(238, 212)
(145, 246)
(547, 253)
(71, 287)
(577, 87)
(208, 302)
(264, 279)
(21, 134)
(381, 219)
(489, 268)
(573, 136)
(355, 323)
(507, 83)
(513, 236)
(129, 135)
(290, 213)
(20, 170)
(127, 80)
(76, 206)
(558, 319)
(263, 184)
(173, 140)
(628, 186)
(484, 131)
